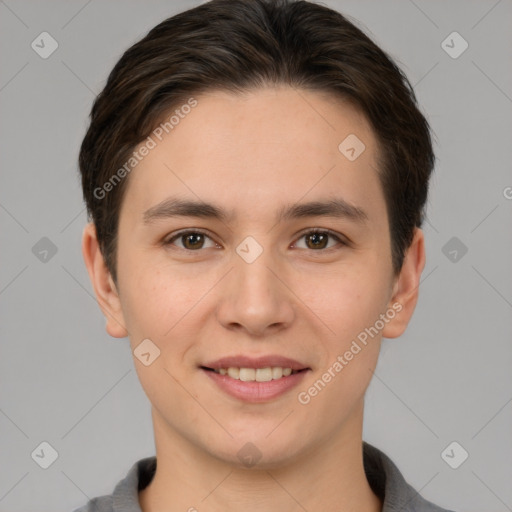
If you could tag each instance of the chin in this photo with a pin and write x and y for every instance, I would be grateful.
(258, 451)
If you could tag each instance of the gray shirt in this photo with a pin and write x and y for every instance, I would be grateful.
(383, 476)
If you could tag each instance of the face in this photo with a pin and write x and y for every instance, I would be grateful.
(249, 283)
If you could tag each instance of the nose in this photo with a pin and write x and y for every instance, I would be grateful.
(256, 298)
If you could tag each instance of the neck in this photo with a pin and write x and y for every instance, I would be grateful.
(329, 476)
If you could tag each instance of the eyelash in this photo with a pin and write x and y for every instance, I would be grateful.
(331, 234)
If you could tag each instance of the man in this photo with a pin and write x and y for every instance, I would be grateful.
(255, 173)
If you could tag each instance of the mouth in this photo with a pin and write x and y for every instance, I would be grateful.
(255, 380)
(265, 374)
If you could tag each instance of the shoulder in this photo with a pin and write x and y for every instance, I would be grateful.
(99, 504)
(388, 483)
(125, 495)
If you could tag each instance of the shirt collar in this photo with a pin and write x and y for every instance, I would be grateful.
(383, 476)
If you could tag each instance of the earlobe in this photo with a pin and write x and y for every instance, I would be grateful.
(103, 284)
(406, 288)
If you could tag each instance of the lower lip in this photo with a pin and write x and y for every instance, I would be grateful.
(255, 392)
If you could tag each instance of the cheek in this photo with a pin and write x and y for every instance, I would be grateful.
(168, 307)
(151, 295)
(351, 309)
(159, 306)
(347, 300)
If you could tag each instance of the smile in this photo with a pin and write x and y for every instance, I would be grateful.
(255, 385)
(256, 374)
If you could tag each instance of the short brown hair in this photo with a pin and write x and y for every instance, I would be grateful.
(237, 45)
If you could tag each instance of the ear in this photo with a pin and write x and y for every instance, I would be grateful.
(406, 287)
(104, 287)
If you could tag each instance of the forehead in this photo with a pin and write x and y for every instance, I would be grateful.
(266, 145)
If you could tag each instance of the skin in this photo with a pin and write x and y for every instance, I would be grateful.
(254, 153)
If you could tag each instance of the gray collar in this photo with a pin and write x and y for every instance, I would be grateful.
(383, 476)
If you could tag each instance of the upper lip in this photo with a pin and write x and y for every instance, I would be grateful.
(242, 361)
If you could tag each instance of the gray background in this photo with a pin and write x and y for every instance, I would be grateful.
(63, 380)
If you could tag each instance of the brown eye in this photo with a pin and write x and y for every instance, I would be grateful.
(317, 240)
(190, 240)
(193, 241)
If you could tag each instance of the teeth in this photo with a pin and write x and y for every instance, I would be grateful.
(277, 372)
(234, 373)
(256, 374)
(247, 374)
(263, 374)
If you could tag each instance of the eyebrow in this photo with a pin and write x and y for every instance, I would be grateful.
(177, 207)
